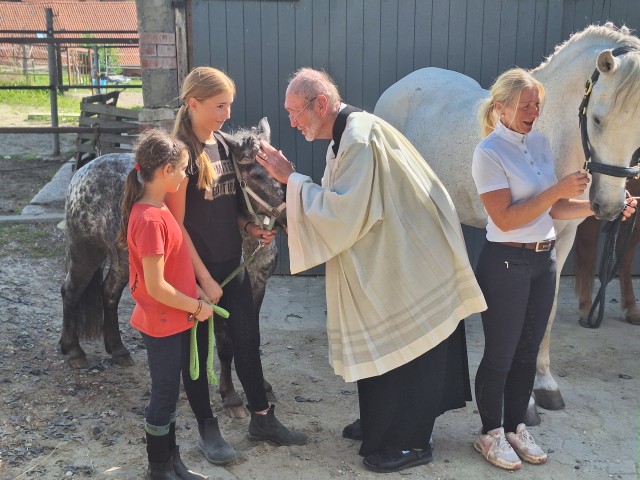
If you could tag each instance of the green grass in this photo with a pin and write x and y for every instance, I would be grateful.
(31, 239)
(68, 102)
(36, 99)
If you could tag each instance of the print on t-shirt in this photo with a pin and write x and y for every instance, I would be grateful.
(226, 182)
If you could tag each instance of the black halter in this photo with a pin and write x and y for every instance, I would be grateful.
(609, 265)
(591, 166)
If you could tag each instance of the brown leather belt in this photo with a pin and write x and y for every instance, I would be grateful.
(543, 246)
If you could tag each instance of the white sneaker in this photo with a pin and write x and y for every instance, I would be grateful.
(525, 446)
(494, 447)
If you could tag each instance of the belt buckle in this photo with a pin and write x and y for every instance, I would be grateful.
(544, 246)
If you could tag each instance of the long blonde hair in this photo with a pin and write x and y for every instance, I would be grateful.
(155, 148)
(201, 83)
(506, 90)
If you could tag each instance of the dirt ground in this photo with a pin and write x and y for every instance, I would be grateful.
(59, 423)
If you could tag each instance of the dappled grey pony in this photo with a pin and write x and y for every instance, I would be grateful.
(98, 270)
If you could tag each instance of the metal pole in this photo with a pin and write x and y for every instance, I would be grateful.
(53, 81)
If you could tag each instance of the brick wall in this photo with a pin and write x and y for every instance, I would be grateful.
(158, 51)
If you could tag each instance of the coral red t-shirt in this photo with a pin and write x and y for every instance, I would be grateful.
(154, 231)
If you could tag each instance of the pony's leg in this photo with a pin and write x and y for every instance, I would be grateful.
(114, 284)
(81, 303)
(545, 389)
(629, 305)
(231, 401)
(585, 250)
(259, 272)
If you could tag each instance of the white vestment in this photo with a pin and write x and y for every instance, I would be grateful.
(398, 278)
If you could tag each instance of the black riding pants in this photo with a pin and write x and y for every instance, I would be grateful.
(244, 332)
(519, 287)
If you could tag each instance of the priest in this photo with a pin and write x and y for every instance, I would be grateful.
(398, 278)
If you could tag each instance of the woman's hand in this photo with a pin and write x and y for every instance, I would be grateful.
(265, 236)
(630, 205)
(572, 185)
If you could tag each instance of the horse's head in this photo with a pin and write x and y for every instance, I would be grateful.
(267, 196)
(612, 119)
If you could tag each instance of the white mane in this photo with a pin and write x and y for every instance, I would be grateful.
(628, 78)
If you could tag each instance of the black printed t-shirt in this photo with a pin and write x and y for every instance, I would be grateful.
(211, 215)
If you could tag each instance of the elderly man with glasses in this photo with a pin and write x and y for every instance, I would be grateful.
(398, 279)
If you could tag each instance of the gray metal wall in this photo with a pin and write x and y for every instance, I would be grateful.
(367, 45)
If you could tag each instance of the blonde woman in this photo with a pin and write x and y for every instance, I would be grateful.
(513, 170)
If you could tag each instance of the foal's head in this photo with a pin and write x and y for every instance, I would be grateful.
(244, 146)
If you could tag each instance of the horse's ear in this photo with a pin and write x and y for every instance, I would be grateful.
(606, 62)
(264, 129)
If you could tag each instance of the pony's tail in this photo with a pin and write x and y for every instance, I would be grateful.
(91, 308)
(487, 117)
(132, 191)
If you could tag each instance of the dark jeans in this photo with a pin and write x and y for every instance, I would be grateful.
(243, 330)
(519, 287)
(165, 357)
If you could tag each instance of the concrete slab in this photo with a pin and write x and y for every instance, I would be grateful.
(52, 196)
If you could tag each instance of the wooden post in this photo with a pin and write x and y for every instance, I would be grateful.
(53, 81)
(25, 65)
(68, 66)
(182, 51)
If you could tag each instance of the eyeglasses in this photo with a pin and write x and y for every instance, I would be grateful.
(294, 116)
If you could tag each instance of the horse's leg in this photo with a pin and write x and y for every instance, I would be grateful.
(230, 399)
(628, 298)
(585, 250)
(82, 284)
(114, 284)
(546, 391)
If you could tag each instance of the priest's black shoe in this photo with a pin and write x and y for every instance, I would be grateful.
(391, 460)
(353, 431)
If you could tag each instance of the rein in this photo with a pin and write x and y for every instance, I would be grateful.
(609, 265)
(608, 262)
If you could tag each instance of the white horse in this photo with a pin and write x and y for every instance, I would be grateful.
(436, 109)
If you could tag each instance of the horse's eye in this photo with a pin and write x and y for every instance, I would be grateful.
(597, 121)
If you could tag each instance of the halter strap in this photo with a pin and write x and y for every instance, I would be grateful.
(595, 167)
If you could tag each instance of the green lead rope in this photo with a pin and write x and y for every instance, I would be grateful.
(194, 362)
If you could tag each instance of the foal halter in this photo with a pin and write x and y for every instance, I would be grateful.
(274, 212)
(589, 165)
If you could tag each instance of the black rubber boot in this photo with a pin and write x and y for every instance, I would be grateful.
(267, 427)
(160, 458)
(215, 448)
(161, 471)
(181, 469)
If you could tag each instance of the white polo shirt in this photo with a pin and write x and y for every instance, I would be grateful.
(523, 164)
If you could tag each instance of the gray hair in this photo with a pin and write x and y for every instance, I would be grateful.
(309, 83)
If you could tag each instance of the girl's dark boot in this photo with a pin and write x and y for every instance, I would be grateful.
(160, 458)
(215, 448)
(181, 469)
(268, 427)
